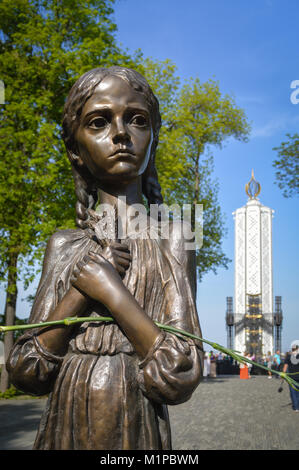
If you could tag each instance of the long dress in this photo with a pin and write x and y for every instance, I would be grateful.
(101, 396)
(207, 365)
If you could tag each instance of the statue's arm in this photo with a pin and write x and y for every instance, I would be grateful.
(56, 339)
(172, 371)
(34, 363)
(174, 368)
(100, 281)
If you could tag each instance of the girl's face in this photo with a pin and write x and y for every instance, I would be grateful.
(115, 133)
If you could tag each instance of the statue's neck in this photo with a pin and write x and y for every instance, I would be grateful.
(121, 199)
(131, 193)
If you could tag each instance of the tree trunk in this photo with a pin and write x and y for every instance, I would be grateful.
(196, 186)
(10, 313)
(196, 191)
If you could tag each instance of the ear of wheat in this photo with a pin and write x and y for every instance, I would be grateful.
(105, 226)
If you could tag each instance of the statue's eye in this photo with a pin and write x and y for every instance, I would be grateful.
(139, 120)
(98, 123)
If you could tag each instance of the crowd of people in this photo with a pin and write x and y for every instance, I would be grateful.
(222, 364)
(218, 364)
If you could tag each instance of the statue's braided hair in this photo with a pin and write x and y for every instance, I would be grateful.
(81, 91)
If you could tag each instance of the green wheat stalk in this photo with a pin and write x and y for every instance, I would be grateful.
(176, 331)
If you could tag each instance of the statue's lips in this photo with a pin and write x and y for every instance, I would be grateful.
(122, 154)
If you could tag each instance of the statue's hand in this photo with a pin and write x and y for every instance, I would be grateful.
(118, 255)
(97, 278)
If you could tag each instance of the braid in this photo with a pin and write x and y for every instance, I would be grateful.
(86, 198)
(154, 195)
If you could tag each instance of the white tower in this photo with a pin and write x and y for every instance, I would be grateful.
(253, 317)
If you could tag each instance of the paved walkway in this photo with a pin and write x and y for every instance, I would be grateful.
(224, 413)
(232, 414)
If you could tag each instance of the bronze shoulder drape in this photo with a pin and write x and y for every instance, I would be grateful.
(100, 395)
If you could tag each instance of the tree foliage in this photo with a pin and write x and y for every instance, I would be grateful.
(197, 118)
(44, 47)
(287, 166)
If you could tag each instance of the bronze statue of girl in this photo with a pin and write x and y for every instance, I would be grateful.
(109, 383)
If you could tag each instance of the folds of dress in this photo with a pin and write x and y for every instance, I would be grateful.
(101, 396)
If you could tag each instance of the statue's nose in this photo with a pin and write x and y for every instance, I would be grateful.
(120, 133)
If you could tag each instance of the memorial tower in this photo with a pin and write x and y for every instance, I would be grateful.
(251, 321)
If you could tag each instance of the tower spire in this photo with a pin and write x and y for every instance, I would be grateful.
(253, 187)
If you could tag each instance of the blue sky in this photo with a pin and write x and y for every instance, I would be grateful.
(250, 47)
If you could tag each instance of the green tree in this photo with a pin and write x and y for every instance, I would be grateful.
(200, 117)
(161, 75)
(287, 166)
(44, 47)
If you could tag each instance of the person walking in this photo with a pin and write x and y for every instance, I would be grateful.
(277, 362)
(206, 367)
(269, 361)
(213, 371)
(252, 358)
(291, 365)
